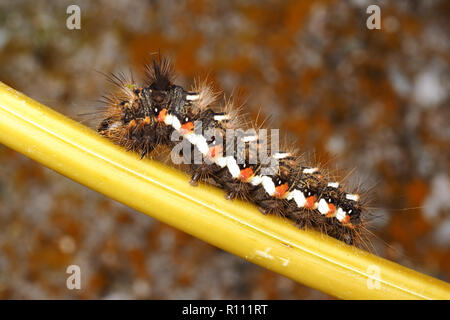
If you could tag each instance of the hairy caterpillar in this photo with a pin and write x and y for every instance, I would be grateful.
(142, 118)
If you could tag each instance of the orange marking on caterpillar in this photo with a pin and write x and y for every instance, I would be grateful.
(280, 191)
(162, 115)
(310, 202)
(147, 120)
(246, 174)
(332, 210)
(186, 128)
(346, 222)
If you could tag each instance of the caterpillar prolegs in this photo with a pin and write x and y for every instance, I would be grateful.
(140, 118)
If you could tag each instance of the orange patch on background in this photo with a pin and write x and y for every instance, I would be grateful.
(246, 174)
(186, 62)
(241, 64)
(65, 222)
(310, 201)
(97, 283)
(185, 278)
(309, 79)
(295, 15)
(47, 257)
(27, 172)
(416, 192)
(162, 115)
(141, 44)
(137, 258)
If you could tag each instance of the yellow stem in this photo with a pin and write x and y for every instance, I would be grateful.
(164, 193)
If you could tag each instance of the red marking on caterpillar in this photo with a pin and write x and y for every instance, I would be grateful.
(140, 119)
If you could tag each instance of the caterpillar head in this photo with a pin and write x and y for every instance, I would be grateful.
(353, 209)
(160, 93)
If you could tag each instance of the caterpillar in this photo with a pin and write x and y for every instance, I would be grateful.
(141, 118)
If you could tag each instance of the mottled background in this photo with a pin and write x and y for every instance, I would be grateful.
(372, 101)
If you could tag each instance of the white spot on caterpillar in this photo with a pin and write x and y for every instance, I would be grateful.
(281, 155)
(221, 117)
(323, 206)
(233, 167)
(221, 162)
(256, 180)
(202, 144)
(250, 138)
(192, 138)
(268, 185)
(169, 119)
(310, 170)
(340, 215)
(353, 197)
(176, 124)
(264, 253)
(333, 184)
(192, 97)
(298, 197)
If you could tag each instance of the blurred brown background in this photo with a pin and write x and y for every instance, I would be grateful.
(372, 101)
